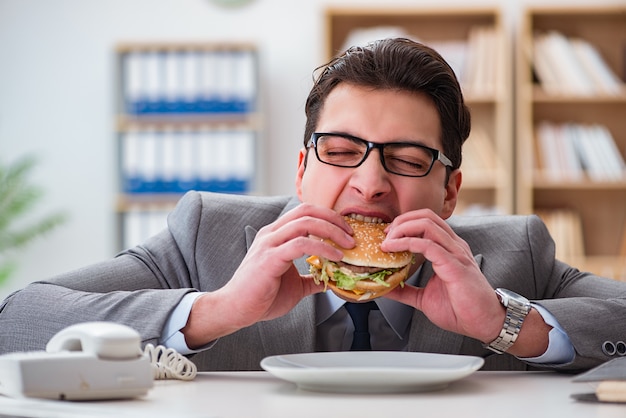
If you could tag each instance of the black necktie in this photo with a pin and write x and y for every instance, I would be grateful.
(359, 312)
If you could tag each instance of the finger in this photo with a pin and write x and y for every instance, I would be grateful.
(425, 219)
(408, 295)
(418, 234)
(306, 225)
(447, 264)
(317, 212)
(302, 246)
(306, 236)
(309, 285)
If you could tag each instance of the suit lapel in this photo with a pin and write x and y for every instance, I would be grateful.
(250, 235)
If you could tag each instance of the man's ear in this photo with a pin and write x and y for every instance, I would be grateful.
(300, 172)
(452, 193)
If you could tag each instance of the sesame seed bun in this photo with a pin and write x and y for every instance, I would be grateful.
(366, 252)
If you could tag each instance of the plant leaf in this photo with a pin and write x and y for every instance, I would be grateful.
(17, 198)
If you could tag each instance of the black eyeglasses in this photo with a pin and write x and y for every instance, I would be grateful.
(401, 158)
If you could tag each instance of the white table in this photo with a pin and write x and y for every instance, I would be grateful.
(259, 394)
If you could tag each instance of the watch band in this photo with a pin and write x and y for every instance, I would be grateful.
(517, 307)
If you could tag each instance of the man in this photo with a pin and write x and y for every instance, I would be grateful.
(222, 282)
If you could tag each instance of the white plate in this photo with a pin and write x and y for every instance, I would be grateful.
(371, 371)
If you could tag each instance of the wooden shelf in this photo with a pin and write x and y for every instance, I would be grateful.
(147, 201)
(169, 46)
(541, 182)
(540, 96)
(251, 121)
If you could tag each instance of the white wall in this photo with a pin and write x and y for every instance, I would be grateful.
(57, 96)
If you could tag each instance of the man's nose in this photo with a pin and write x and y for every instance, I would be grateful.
(371, 179)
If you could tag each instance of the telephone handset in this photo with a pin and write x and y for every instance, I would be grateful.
(91, 360)
(105, 340)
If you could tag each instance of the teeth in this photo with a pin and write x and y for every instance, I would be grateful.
(368, 219)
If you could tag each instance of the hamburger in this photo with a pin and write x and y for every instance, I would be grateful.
(365, 272)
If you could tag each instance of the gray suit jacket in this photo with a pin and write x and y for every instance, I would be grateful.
(208, 236)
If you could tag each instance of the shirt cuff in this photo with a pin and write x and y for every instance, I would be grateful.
(560, 349)
(171, 337)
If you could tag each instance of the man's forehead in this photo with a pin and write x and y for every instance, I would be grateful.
(381, 115)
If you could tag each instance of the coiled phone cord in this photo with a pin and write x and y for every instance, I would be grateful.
(167, 363)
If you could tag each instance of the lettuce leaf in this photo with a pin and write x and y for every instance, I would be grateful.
(347, 282)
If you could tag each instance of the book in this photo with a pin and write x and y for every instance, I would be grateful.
(548, 147)
(571, 164)
(176, 160)
(544, 70)
(603, 78)
(154, 87)
(133, 82)
(599, 154)
(615, 168)
(571, 151)
(172, 83)
(168, 163)
(570, 65)
(484, 48)
(561, 57)
(609, 378)
(558, 157)
(189, 81)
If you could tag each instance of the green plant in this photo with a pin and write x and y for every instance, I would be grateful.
(18, 198)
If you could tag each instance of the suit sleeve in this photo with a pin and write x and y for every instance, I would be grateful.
(139, 288)
(590, 309)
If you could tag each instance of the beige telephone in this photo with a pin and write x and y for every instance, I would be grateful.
(91, 360)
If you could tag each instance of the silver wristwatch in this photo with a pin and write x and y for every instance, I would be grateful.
(517, 307)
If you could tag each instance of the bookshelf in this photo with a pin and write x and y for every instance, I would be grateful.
(188, 119)
(586, 203)
(478, 47)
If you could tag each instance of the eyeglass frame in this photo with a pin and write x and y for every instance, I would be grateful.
(436, 154)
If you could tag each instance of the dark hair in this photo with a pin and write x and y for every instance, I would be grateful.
(397, 64)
